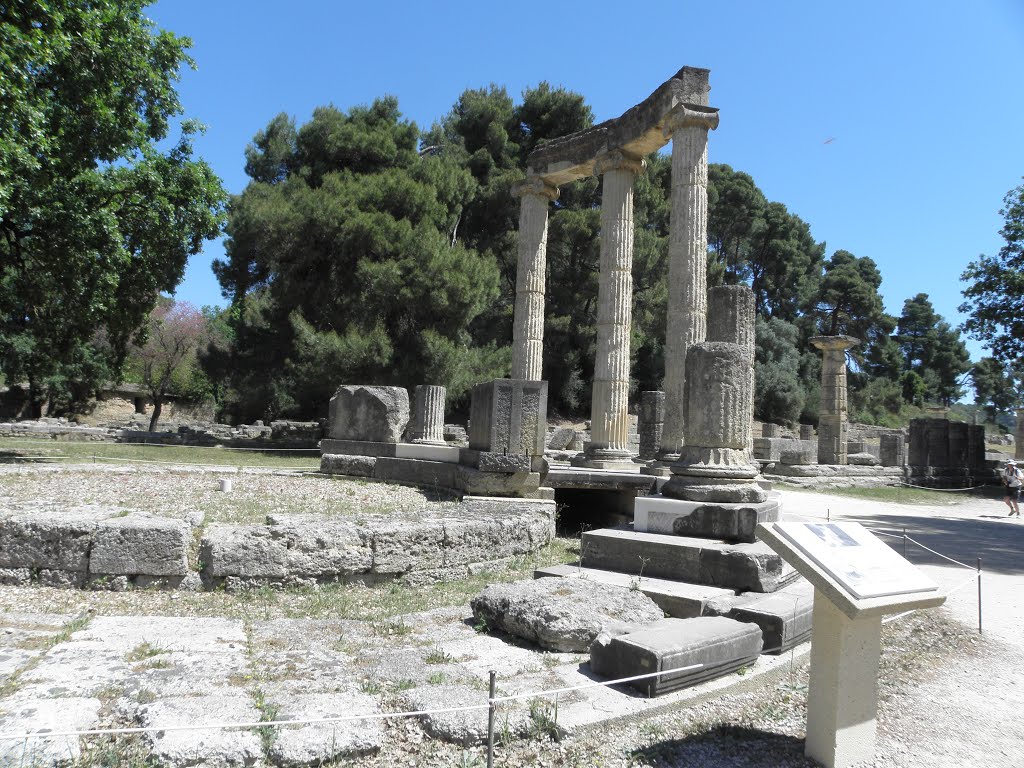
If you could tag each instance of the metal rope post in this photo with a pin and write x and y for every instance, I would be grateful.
(979, 595)
(490, 721)
(904, 543)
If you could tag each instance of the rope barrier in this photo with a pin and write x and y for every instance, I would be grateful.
(161, 445)
(183, 464)
(941, 490)
(929, 549)
(539, 694)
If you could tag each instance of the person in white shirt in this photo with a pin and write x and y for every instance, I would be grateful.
(1013, 479)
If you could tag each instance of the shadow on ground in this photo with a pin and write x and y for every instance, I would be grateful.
(726, 745)
(1000, 545)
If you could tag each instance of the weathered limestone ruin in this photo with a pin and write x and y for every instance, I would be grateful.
(427, 424)
(832, 419)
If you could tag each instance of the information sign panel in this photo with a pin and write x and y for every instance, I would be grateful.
(860, 562)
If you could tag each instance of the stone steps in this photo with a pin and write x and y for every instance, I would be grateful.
(738, 567)
(677, 599)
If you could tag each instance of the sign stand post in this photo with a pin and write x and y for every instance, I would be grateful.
(857, 580)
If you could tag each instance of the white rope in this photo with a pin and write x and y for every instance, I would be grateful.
(964, 583)
(223, 726)
(929, 549)
(941, 490)
(184, 464)
(23, 441)
(899, 616)
(538, 694)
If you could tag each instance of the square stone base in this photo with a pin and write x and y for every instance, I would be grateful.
(712, 520)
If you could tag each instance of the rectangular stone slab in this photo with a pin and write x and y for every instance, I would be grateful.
(733, 522)
(357, 447)
(676, 598)
(718, 644)
(742, 567)
(784, 616)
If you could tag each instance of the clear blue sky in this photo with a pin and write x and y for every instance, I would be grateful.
(920, 103)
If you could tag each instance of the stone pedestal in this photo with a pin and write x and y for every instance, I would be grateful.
(892, 454)
(428, 415)
(609, 430)
(528, 325)
(806, 432)
(843, 694)
(832, 418)
(509, 416)
(651, 423)
(688, 127)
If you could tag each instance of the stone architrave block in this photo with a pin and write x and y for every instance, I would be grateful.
(368, 413)
(49, 541)
(509, 416)
(563, 614)
(719, 645)
(784, 616)
(132, 546)
(862, 459)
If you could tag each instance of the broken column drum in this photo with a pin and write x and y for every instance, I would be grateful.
(650, 423)
(609, 430)
(714, 463)
(528, 329)
(428, 415)
(832, 418)
(688, 128)
(731, 319)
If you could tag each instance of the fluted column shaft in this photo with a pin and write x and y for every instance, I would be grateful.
(429, 414)
(609, 425)
(528, 324)
(731, 319)
(832, 418)
(687, 259)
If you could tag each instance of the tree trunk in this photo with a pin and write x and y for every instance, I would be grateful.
(158, 405)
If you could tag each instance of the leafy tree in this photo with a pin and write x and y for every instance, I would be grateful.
(165, 358)
(344, 263)
(96, 219)
(778, 394)
(995, 296)
(848, 302)
(948, 362)
(916, 331)
(996, 387)
(735, 208)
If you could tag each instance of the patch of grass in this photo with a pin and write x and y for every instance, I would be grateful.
(268, 713)
(437, 678)
(438, 655)
(892, 494)
(370, 687)
(405, 685)
(544, 720)
(143, 651)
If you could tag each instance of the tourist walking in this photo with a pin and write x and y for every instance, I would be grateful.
(1013, 479)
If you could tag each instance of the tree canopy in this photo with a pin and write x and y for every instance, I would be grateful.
(995, 294)
(98, 213)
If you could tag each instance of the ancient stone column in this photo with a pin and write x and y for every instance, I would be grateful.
(832, 421)
(528, 325)
(731, 319)
(1018, 437)
(806, 431)
(715, 463)
(609, 421)
(428, 415)
(688, 128)
(650, 423)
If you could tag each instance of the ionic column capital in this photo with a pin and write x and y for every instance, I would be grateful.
(617, 160)
(834, 343)
(535, 185)
(690, 116)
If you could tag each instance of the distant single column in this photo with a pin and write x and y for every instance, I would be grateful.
(428, 416)
(528, 328)
(609, 423)
(688, 127)
(832, 418)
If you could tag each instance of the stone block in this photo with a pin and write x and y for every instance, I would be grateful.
(714, 520)
(784, 616)
(771, 430)
(400, 547)
(32, 715)
(862, 459)
(675, 598)
(799, 452)
(562, 614)
(48, 541)
(509, 416)
(806, 431)
(770, 448)
(137, 545)
(488, 461)
(477, 483)
(353, 466)
(561, 438)
(741, 567)
(856, 446)
(718, 645)
(375, 414)
(891, 450)
(219, 747)
(435, 474)
(428, 452)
